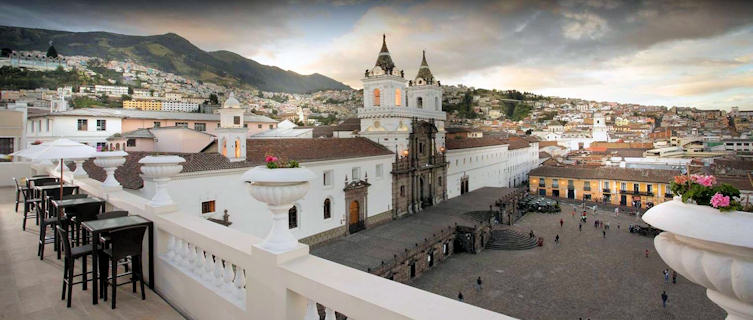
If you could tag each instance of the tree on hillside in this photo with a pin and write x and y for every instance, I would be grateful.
(213, 99)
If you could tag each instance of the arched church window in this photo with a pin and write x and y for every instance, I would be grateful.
(420, 102)
(237, 148)
(376, 97)
(293, 218)
(327, 208)
(224, 147)
(398, 97)
(117, 146)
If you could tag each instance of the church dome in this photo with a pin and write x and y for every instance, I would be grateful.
(231, 102)
(384, 60)
(424, 73)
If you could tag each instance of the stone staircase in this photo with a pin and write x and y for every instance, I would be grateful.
(509, 239)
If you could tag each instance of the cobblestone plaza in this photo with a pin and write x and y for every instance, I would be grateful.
(586, 276)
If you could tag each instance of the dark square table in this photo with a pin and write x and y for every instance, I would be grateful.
(44, 190)
(67, 203)
(95, 227)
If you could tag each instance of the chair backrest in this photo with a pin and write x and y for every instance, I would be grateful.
(127, 241)
(18, 187)
(112, 214)
(86, 211)
(63, 234)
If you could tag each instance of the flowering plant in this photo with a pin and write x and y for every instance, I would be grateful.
(704, 190)
(275, 162)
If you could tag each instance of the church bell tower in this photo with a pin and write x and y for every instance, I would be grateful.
(231, 135)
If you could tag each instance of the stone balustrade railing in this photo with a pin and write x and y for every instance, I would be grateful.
(207, 271)
(219, 275)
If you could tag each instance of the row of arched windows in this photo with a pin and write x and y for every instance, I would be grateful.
(399, 99)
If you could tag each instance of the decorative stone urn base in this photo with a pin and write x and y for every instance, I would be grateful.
(710, 248)
(279, 189)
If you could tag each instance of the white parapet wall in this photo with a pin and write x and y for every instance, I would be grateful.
(10, 170)
(208, 271)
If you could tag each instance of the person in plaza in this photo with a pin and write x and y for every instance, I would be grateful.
(557, 240)
(530, 234)
(666, 275)
(674, 277)
(460, 296)
(616, 211)
(604, 232)
(478, 284)
(664, 299)
(580, 227)
(646, 253)
(561, 222)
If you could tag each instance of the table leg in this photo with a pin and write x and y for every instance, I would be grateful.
(151, 255)
(95, 268)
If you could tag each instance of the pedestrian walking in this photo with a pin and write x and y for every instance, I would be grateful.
(530, 234)
(664, 299)
(561, 222)
(666, 275)
(580, 227)
(478, 284)
(460, 296)
(604, 232)
(646, 253)
(618, 226)
(557, 240)
(616, 211)
(674, 277)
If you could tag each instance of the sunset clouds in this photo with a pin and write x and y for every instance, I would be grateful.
(692, 53)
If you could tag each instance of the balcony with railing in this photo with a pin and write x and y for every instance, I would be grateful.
(208, 271)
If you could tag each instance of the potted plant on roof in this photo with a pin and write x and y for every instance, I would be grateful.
(708, 240)
(278, 184)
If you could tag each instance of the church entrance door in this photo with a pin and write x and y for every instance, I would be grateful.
(354, 215)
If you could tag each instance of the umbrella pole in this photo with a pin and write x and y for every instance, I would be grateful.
(61, 178)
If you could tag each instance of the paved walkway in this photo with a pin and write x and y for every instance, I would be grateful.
(30, 288)
(586, 276)
(368, 248)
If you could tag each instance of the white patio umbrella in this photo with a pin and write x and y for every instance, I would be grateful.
(31, 150)
(61, 149)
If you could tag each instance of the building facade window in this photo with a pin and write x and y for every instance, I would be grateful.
(327, 209)
(6, 145)
(81, 124)
(293, 218)
(199, 126)
(636, 187)
(379, 169)
(236, 120)
(398, 97)
(181, 124)
(157, 124)
(377, 98)
(649, 188)
(101, 146)
(101, 125)
(258, 126)
(327, 178)
(207, 206)
(555, 183)
(355, 173)
(542, 182)
(623, 186)
(271, 126)
(420, 102)
(402, 191)
(131, 143)
(587, 185)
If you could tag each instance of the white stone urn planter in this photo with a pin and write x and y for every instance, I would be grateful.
(161, 169)
(110, 160)
(711, 248)
(279, 188)
(79, 172)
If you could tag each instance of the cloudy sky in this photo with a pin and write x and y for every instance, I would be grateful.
(687, 53)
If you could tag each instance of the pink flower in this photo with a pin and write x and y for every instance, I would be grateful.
(274, 159)
(705, 181)
(270, 159)
(719, 200)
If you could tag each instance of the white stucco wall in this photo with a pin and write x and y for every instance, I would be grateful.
(189, 190)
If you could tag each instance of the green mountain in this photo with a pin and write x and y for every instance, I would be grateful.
(171, 53)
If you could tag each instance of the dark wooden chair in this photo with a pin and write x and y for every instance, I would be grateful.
(49, 217)
(18, 192)
(124, 243)
(30, 204)
(71, 254)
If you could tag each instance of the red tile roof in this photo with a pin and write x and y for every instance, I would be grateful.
(303, 150)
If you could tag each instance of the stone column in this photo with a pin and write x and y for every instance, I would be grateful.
(160, 169)
(110, 160)
(79, 172)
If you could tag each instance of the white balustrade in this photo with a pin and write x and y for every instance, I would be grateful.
(312, 312)
(226, 279)
(79, 172)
